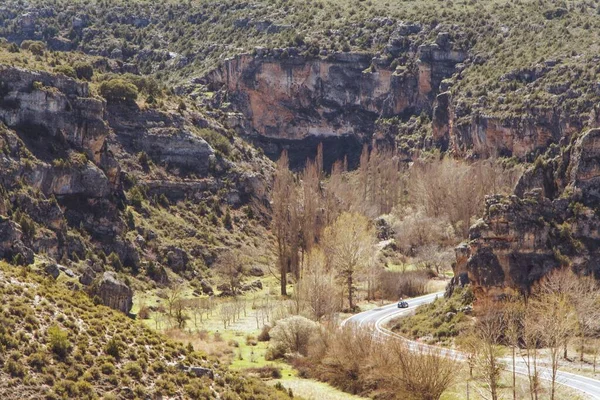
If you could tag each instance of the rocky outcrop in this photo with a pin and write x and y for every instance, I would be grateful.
(177, 259)
(164, 137)
(479, 135)
(496, 122)
(11, 244)
(584, 168)
(548, 223)
(113, 293)
(40, 104)
(293, 101)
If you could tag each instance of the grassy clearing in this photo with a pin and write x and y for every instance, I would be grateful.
(314, 390)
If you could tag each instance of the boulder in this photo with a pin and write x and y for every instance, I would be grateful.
(88, 276)
(206, 287)
(257, 284)
(197, 371)
(256, 271)
(177, 259)
(114, 293)
(11, 243)
(201, 371)
(51, 269)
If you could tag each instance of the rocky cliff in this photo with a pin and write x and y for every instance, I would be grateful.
(76, 171)
(551, 221)
(288, 100)
(473, 134)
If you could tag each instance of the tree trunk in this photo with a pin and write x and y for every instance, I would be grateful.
(582, 346)
(493, 379)
(514, 375)
(284, 281)
(350, 293)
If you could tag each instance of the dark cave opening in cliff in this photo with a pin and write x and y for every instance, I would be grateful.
(334, 148)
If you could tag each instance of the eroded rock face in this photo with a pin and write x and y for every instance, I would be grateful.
(473, 134)
(287, 101)
(11, 243)
(512, 246)
(549, 222)
(43, 104)
(297, 97)
(164, 137)
(584, 168)
(113, 293)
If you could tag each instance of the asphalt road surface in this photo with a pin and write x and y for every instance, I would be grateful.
(376, 319)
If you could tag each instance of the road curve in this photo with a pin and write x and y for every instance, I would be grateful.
(376, 319)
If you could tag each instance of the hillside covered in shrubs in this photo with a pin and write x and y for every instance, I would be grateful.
(57, 344)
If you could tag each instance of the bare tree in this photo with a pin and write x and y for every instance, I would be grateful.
(231, 266)
(531, 341)
(285, 221)
(350, 244)
(456, 189)
(556, 315)
(311, 220)
(417, 374)
(176, 304)
(513, 313)
(316, 292)
(486, 345)
(586, 300)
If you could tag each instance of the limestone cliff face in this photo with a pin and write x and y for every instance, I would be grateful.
(53, 116)
(295, 99)
(471, 134)
(549, 222)
(164, 137)
(39, 103)
(67, 159)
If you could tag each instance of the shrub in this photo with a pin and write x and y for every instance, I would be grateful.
(107, 368)
(217, 141)
(37, 361)
(34, 46)
(66, 70)
(144, 161)
(264, 336)
(118, 90)
(83, 70)
(136, 196)
(15, 368)
(133, 369)
(113, 348)
(292, 335)
(267, 372)
(58, 340)
(144, 313)
(115, 261)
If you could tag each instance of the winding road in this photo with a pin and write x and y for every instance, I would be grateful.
(377, 318)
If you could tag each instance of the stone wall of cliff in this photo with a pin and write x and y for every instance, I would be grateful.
(473, 134)
(301, 100)
(550, 221)
(68, 161)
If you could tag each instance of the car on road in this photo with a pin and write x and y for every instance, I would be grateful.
(402, 304)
